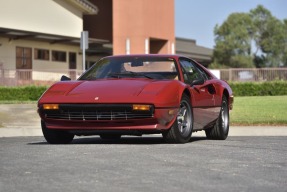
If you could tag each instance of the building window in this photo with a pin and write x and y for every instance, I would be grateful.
(23, 58)
(42, 54)
(59, 56)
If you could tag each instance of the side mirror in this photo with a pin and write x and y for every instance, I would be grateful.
(65, 78)
(137, 63)
(197, 82)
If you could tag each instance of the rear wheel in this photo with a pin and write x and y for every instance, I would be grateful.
(56, 136)
(221, 127)
(181, 130)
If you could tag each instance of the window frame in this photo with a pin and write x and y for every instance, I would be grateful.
(45, 51)
(58, 56)
(206, 76)
(186, 77)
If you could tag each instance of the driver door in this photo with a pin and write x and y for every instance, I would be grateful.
(203, 96)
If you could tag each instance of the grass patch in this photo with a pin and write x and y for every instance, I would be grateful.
(258, 110)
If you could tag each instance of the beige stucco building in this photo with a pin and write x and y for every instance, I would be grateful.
(41, 39)
(44, 38)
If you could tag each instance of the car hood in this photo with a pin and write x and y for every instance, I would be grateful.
(114, 91)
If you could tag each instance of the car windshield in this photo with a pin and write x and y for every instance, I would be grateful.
(132, 67)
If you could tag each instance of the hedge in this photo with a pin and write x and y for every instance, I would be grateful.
(28, 93)
(32, 93)
(268, 88)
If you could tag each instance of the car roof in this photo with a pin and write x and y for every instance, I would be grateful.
(146, 55)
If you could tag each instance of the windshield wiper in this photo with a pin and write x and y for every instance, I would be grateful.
(114, 75)
(129, 73)
(89, 78)
(138, 74)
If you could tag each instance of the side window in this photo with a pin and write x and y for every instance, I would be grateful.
(203, 73)
(190, 72)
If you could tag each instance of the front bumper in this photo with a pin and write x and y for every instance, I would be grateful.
(162, 119)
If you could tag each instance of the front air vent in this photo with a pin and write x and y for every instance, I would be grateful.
(97, 112)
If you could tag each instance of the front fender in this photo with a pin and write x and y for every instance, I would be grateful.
(170, 95)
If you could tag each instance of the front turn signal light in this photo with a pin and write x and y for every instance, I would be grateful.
(51, 106)
(141, 107)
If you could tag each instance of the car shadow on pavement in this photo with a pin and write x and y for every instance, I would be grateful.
(153, 140)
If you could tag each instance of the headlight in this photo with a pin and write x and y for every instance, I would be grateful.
(138, 107)
(51, 106)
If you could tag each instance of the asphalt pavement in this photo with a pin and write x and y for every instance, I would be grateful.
(144, 164)
(251, 159)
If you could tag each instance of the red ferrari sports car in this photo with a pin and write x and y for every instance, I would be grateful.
(137, 94)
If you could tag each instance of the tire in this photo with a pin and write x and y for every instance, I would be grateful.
(56, 136)
(221, 127)
(110, 136)
(181, 130)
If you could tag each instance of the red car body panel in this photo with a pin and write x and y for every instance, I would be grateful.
(164, 95)
(140, 91)
(115, 91)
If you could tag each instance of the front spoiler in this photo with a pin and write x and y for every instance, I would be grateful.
(162, 120)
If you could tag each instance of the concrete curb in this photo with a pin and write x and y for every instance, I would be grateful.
(234, 131)
(20, 132)
(253, 131)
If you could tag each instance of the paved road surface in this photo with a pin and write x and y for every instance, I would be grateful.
(144, 164)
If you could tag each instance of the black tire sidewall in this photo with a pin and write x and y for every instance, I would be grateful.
(180, 137)
(224, 133)
(56, 136)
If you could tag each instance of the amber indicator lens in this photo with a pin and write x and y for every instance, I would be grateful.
(141, 107)
(51, 106)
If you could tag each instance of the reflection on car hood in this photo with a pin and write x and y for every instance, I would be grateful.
(106, 91)
(108, 88)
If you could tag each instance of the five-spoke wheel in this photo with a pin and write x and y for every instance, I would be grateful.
(181, 130)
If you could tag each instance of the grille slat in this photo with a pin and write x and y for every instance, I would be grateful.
(97, 112)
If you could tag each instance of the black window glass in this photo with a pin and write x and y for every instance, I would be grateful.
(205, 75)
(190, 72)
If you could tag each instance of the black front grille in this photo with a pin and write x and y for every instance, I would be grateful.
(97, 112)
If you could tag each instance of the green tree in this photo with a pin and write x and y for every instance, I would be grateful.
(268, 35)
(284, 52)
(251, 39)
(233, 41)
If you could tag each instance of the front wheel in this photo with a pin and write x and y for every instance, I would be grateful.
(56, 136)
(221, 127)
(181, 130)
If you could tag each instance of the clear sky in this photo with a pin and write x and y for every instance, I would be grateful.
(196, 19)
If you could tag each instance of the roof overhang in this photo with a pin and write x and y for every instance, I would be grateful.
(189, 48)
(14, 35)
(85, 6)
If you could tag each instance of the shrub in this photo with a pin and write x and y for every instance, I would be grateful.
(28, 93)
(268, 88)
